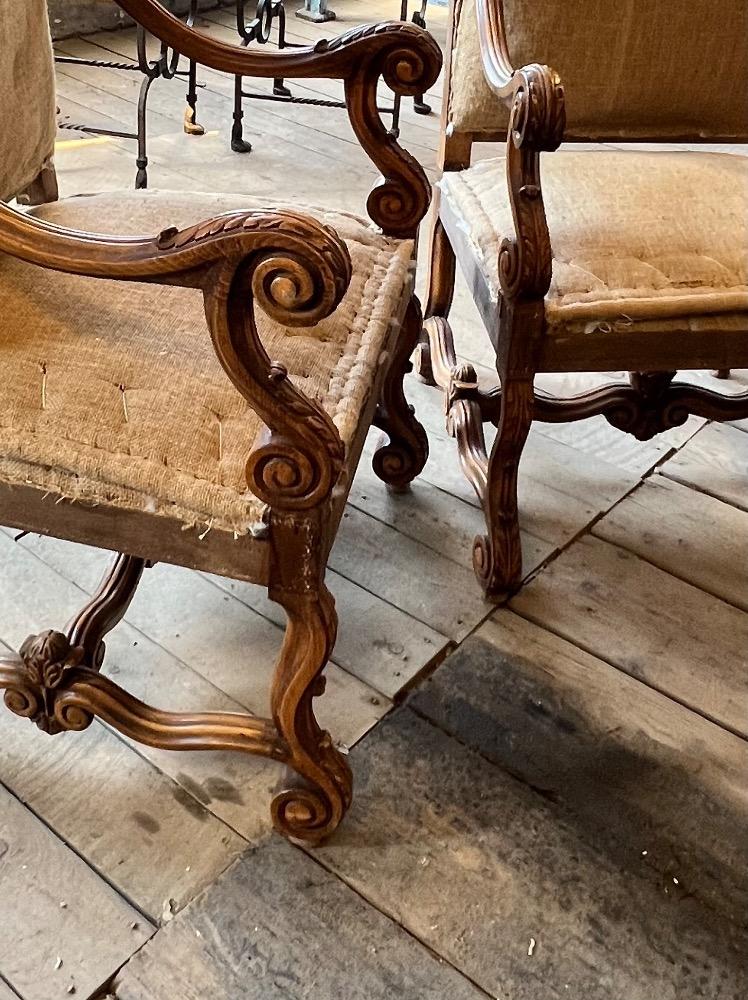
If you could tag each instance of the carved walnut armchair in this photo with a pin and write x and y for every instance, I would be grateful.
(607, 260)
(200, 394)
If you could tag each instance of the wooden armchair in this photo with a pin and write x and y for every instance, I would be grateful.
(606, 260)
(214, 421)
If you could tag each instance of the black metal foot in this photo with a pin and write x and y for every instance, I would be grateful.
(141, 178)
(239, 145)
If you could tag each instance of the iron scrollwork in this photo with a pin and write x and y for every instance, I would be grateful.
(164, 67)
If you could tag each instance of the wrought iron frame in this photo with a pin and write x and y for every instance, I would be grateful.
(259, 30)
(165, 67)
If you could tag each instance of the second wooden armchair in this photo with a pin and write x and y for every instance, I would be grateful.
(200, 394)
(607, 260)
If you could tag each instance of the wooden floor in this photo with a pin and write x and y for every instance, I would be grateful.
(551, 797)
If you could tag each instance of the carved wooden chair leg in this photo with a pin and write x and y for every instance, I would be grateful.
(440, 285)
(312, 810)
(398, 461)
(106, 608)
(497, 556)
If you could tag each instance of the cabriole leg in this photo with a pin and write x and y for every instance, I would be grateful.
(497, 556)
(402, 458)
(313, 809)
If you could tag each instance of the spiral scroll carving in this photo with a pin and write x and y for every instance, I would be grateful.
(408, 57)
(311, 813)
(539, 114)
(536, 123)
(297, 271)
(282, 474)
(397, 207)
(48, 660)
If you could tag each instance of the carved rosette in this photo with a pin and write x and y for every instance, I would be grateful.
(48, 661)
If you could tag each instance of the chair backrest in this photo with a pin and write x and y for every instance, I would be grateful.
(631, 69)
(27, 94)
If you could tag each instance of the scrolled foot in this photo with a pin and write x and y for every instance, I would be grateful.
(499, 574)
(311, 813)
(401, 455)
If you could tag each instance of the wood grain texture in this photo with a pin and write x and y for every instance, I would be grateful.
(276, 926)
(93, 934)
(445, 598)
(689, 534)
(475, 864)
(652, 784)
(130, 822)
(233, 788)
(6, 993)
(235, 649)
(431, 513)
(377, 642)
(715, 461)
(672, 636)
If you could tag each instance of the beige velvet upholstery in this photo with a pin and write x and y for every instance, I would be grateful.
(630, 68)
(635, 236)
(27, 94)
(111, 392)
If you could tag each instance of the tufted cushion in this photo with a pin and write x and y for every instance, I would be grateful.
(635, 236)
(634, 67)
(27, 94)
(111, 392)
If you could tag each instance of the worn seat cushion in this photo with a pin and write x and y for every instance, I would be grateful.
(636, 236)
(111, 392)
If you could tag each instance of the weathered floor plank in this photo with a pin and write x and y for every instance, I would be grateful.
(602, 744)
(6, 993)
(446, 597)
(674, 637)
(377, 642)
(61, 924)
(276, 926)
(715, 461)
(691, 535)
(498, 881)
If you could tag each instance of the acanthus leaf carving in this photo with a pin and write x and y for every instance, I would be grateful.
(47, 660)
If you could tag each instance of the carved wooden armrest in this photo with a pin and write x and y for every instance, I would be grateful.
(406, 56)
(296, 269)
(537, 120)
